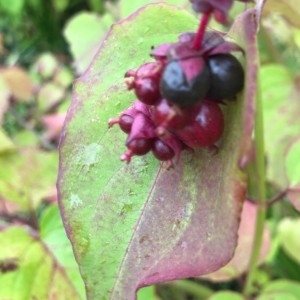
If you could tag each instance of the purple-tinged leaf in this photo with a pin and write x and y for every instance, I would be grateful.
(240, 261)
(138, 224)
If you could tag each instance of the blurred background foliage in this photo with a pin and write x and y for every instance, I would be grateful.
(44, 46)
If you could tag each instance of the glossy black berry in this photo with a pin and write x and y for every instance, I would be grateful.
(227, 77)
(185, 82)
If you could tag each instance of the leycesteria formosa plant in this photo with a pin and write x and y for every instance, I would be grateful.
(192, 104)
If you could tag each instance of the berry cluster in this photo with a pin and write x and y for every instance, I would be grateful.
(179, 95)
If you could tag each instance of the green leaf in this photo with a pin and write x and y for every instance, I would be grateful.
(13, 7)
(46, 65)
(289, 236)
(54, 236)
(49, 95)
(97, 6)
(27, 177)
(293, 164)
(281, 289)
(25, 138)
(63, 77)
(147, 293)
(277, 295)
(284, 266)
(6, 145)
(28, 270)
(281, 108)
(128, 7)
(60, 5)
(84, 33)
(227, 295)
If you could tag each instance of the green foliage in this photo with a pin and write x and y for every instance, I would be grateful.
(129, 7)
(293, 163)
(34, 267)
(6, 145)
(227, 295)
(84, 33)
(27, 176)
(289, 236)
(281, 289)
(13, 7)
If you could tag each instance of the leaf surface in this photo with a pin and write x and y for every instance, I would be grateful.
(240, 261)
(33, 267)
(139, 224)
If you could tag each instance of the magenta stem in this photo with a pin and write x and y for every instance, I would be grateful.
(201, 31)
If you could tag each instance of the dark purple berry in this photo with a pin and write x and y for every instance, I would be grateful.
(145, 82)
(147, 90)
(227, 77)
(169, 116)
(206, 129)
(142, 128)
(137, 147)
(162, 151)
(185, 82)
(140, 146)
(125, 123)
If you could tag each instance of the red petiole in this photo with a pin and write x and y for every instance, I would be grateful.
(201, 31)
